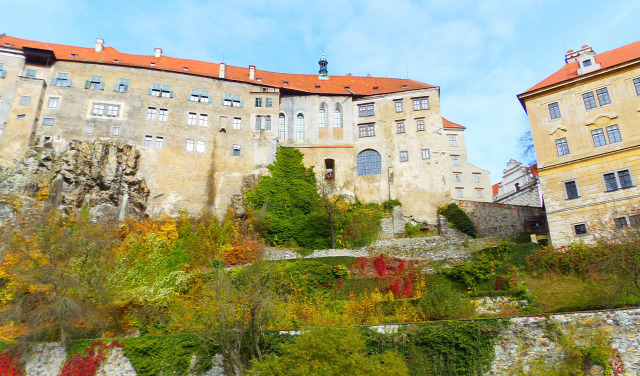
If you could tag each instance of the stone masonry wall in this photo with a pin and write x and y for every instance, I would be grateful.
(499, 220)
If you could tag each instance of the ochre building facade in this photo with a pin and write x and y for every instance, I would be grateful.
(585, 122)
(206, 131)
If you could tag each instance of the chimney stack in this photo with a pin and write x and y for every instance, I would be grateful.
(252, 72)
(158, 52)
(223, 68)
(99, 45)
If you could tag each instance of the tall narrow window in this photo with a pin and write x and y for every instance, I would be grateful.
(281, 127)
(425, 154)
(322, 118)
(398, 105)
(603, 96)
(610, 182)
(455, 160)
(589, 100)
(420, 124)
(400, 126)
(258, 102)
(562, 146)
(268, 102)
(554, 110)
(159, 142)
(624, 177)
(163, 114)
(203, 120)
(598, 137)
(148, 140)
(258, 123)
(571, 188)
(189, 145)
(337, 117)
(237, 123)
(636, 84)
(300, 127)
(453, 141)
(613, 132)
(200, 147)
(404, 156)
(191, 118)
(267, 123)
(151, 113)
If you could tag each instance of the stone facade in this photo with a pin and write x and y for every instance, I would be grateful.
(204, 130)
(504, 221)
(584, 123)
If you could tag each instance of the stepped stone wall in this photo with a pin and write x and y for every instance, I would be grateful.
(499, 220)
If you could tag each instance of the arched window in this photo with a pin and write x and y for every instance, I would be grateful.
(322, 116)
(369, 163)
(300, 127)
(282, 134)
(337, 117)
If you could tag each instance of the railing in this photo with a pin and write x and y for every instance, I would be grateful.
(32, 80)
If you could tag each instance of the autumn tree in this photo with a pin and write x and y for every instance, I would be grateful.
(53, 269)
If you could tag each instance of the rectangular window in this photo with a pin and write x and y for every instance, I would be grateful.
(151, 113)
(148, 140)
(453, 141)
(457, 176)
(204, 120)
(425, 154)
(554, 110)
(610, 182)
(598, 137)
(613, 132)
(480, 193)
(258, 123)
(98, 109)
(620, 222)
(163, 114)
(367, 130)
(398, 106)
(236, 151)
(571, 188)
(421, 104)
(113, 110)
(268, 102)
(404, 156)
(400, 125)
(53, 102)
(200, 147)
(88, 128)
(624, 178)
(476, 178)
(25, 100)
(562, 146)
(61, 80)
(603, 96)
(281, 127)
(455, 160)
(198, 95)
(460, 192)
(3, 73)
(47, 121)
(237, 123)
(31, 73)
(267, 123)
(159, 142)
(232, 100)
(191, 118)
(160, 90)
(366, 110)
(258, 102)
(420, 123)
(122, 86)
(636, 84)
(115, 131)
(95, 83)
(189, 145)
(580, 229)
(21, 116)
(589, 100)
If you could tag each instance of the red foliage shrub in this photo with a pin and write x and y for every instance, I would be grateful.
(10, 363)
(87, 365)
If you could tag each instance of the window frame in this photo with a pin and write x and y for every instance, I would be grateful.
(599, 138)
(571, 189)
(282, 127)
(584, 231)
(562, 146)
(616, 180)
(203, 120)
(122, 86)
(160, 90)
(398, 105)
(614, 130)
(268, 102)
(636, 84)
(366, 110)
(189, 145)
(163, 114)
(589, 100)
(200, 146)
(554, 110)
(192, 118)
(404, 156)
(603, 96)
(455, 160)
(300, 131)
(237, 123)
(25, 100)
(400, 126)
(453, 141)
(151, 113)
(55, 100)
(420, 124)
(368, 163)
(426, 154)
(420, 104)
(48, 121)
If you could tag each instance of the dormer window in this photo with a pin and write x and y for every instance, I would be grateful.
(585, 57)
(586, 63)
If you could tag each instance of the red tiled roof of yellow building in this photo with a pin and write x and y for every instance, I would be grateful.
(449, 124)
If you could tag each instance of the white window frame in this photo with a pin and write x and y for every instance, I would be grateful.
(453, 141)
(151, 113)
(199, 146)
(455, 160)
(420, 124)
(159, 142)
(237, 123)
(115, 131)
(53, 102)
(189, 145)
(398, 105)
(203, 120)
(148, 141)
(426, 154)
(404, 156)
(163, 114)
(48, 121)
(25, 100)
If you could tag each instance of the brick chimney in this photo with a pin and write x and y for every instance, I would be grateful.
(223, 69)
(99, 45)
(158, 52)
(252, 72)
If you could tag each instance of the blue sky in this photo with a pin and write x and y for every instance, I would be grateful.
(481, 53)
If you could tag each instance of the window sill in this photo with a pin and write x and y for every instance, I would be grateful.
(572, 198)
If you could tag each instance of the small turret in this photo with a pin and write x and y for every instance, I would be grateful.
(323, 74)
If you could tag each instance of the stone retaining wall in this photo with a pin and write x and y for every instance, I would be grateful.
(499, 220)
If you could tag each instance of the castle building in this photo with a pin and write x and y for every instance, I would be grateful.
(585, 124)
(206, 131)
(520, 185)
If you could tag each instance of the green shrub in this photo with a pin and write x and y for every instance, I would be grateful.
(474, 272)
(458, 219)
(390, 204)
(523, 237)
(577, 259)
(362, 225)
(413, 230)
(442, 300)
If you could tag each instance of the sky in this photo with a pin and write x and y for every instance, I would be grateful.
(481, 54)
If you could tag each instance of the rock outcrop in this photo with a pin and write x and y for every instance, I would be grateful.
(100, 176)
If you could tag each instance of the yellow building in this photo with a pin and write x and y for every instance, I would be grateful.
(585, 122)
(206, 131)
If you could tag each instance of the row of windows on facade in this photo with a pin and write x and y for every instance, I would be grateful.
(612, 182)
(368, 130)
(418, 104)
(598, 136)
(457, 176)
(589, 100)
(618, 222)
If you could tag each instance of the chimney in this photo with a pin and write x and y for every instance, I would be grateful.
(158, 52)
(585, 57)
(99, 45)
(223, 68)
(252, 72)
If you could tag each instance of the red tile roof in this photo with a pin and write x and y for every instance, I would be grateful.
(495, 188)
(449, 124)
(606, 59)
(533, 169)
(300, 82)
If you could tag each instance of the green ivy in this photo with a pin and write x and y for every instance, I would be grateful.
(458, 219)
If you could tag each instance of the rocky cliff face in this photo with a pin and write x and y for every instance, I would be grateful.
(99, 175)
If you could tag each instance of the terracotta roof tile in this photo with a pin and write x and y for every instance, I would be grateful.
(449, 124)
(533, 169)
(495, 188)
(606, 59)
(300, 82)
